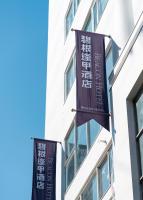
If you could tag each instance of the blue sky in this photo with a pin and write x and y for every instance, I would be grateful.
(23, 57)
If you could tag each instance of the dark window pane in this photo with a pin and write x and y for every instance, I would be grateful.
(70, 171)
(95, 15)
(101, 7)
(104, 178)
(90, 193)
(69, 18)
(94, 129)
(141, 152)
(81, 144)
(78, 2)
(70, 142)
(111, 165)
(109, 63)
(70, 77)
(88, 26)
(139, 109)
(109, 68)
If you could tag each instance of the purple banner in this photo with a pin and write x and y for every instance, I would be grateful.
(91, 89)
(44, 170)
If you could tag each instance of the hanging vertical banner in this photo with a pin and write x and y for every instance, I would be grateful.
(44, 170)
(91, 88)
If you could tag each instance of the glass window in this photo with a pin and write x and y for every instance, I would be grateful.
(139, 110)
(70, 171)
(88, 26)
(94, 131)
(90, 193)
(70, 77)
(70, 142)
(95, 15)
(78, 143)
(81, 144)
(139, 116)
(109, 62)
(70, 15)
(98, 185)
(101, 7)
(78, 1)
(111, 171)
(109, 68)
(104, 178)
(98, 10)
(141, 151)
(69, 18)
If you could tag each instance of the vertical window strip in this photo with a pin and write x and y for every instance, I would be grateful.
(104, 177)
(96, 14)
(81, 145)
(88, 25)
(109, 68)
(70, 76)
(138, 103)
(70, 15)
(97, 191)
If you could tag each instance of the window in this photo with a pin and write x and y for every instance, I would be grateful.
(139, 117)
(78, 143)
(109, 62)
(88, 25)
(95, 15)
(81, 144)
(111, 171)
(70, 15)
(70, 156)
(104, 178)
(69, 77)
(109, 68)
(70, 171)
(101, 181)
(94, 130)
(69, 18)
(90, 193)
(98, 10)
(70, 142)
(101, 7)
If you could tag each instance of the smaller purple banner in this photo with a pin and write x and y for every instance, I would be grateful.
(91, 86)
(44, 170)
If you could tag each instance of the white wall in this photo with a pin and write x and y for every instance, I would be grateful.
(118, 20)
(121, 89)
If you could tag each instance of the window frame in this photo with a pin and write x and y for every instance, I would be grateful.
(70, 7)
(74, 150)
(72, 60)
(96, 2)
(95, 173)
(139, 133)
(72, 154)
(89, 16)
(101, 191)
(74, 5)
(109, 49)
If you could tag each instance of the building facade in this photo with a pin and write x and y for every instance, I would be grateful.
(92, 163)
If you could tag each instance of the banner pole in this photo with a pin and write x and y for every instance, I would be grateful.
(75, 110)
(93, 32)
(32, 138)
